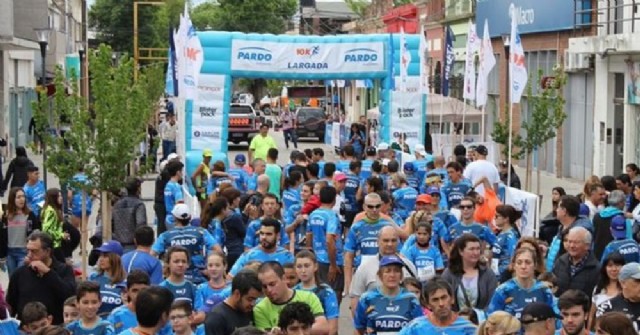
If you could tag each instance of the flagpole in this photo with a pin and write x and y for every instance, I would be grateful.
(482, 124)
(441, 117)
(464, 117)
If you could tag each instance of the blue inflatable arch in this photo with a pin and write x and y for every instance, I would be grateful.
(229, 55)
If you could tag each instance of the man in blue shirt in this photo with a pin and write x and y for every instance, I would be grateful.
(325, 236)
(422, 159)
(197, 240)
(269, 208)
(351, 188)
(468, 226)
(318, 158)
(173, 191)
(346, 157)
(365, 172)
(574, 308)
(439, 298)
(413, 177)
(240, 176)
(140, 258)
(34, 190)
(457, 187)
(75, 193)
(628, 248)
(268, 250)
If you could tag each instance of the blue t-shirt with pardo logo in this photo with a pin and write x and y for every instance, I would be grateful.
(362, 238)
(384, 314)
(512, 298)
(181, 291)
(198, 241)
(110, 293)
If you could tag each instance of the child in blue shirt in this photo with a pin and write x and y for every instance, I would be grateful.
(89, 323)
(423, 254)
(177, 260)
(214, 291)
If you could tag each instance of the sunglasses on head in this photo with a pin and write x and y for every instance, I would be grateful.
(374, 206)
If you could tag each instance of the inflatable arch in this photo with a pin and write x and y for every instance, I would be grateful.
(229, 55)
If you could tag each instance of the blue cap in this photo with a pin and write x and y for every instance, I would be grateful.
(111, 247)
(584, 210)
(240, 158)
(433, 190)
(619, 227)
(391, 260)
(409, 167)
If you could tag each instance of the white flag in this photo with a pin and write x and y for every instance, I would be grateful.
(424, 69)
(519, 76)
(487, 62)
(405, 60)
(469, 64)
(190, 59)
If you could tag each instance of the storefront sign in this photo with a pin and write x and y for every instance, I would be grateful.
(279, 57)
(534, 16)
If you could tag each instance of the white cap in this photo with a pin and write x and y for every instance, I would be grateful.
(181, 211)
(419, 148)
(172, 155)
(163, 164)
(385, 161)
(383, 146)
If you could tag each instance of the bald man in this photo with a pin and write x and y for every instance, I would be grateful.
(263, 184)
(366, 276)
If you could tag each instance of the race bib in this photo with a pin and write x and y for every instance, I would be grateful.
(494, 265)
(426, 273)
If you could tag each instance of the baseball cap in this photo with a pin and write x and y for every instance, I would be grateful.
(207, 152)
(419, 148)
(629, 271)
(385, 161)
(111, 247)
(172, 156)
(371, 151)
(433, 190)
(240, 158)
(425, 199)
(181, 211)
(481, 149)
(383, 146)
(391, 260)
(584, 210)
(339, 176)
(619, 227)
(537, 311)
(409, 167)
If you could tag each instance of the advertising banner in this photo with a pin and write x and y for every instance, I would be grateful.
(305, 58)
(407, 119)
(528, 204)
(207, 126)
(533, 16)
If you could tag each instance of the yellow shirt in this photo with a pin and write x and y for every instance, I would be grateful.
(261, 145)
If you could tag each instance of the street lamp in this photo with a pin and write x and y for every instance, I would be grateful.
(506, 41)
(43, 41)
(82, 53)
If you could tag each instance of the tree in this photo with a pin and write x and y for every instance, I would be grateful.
(254, 16)
(204, 16)
(500, 135)
(358, 7)
(106, 144)
(167, 17)
(113, 22)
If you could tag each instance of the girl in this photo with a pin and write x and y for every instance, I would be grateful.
(177, 262)
(608, 287)
(523, 288)
(506, 218)
(212, 216)
(213, 292)
(291, 193)
(400, 306)
(307, 271)
(53, 221)
(110, 276)
(423, 254)
(356, 139)
(295, 221)
(18, 222)
(233, 227)
(472, 282)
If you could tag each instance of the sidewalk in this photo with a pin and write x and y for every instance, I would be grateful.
(547, 183)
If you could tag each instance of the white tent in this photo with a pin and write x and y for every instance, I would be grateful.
(451, 110)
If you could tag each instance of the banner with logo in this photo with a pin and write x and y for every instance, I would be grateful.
(206, 127)
(528, 204)
(307, 58)
(407, 117)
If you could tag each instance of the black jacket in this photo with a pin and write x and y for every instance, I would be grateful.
(17, 172)
(52, 289)
(4, 234)
(584, 280)
(161, 182)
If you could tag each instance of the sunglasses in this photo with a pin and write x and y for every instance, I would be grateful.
(374, 206)
(465, 206)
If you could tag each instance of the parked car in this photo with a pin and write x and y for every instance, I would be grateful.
(311, 122)
(244, 123)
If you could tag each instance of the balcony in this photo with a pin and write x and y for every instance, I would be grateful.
(458, 9)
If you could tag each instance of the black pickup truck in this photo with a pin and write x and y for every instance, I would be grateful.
(244, 123)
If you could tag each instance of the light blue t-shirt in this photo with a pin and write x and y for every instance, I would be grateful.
(181, 291)
(140, 260)
(280, 255)
(110, 294)
(321, 222)
(35, 196)
(172, 196)
(208, 297)
(76, 201)
(102, 327)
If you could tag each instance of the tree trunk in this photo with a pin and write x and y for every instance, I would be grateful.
(84, 236)
(106, 216)
(544, 163)
(527, 183)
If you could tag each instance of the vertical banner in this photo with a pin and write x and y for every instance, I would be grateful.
(405, 60)
(528, 204)
(424, 61)
(407, 117)
(449, 59)
(473, 43)
(205, 124)
(487, 62)
(518, 75)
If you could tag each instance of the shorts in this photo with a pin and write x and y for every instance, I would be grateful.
(323, 272)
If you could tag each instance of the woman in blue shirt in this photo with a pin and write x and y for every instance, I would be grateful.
(306, 266)
(523, 288)
(389, 307)
(110, 276)
(506, 217)
(356, 139)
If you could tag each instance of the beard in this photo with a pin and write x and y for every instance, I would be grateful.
(267, 245)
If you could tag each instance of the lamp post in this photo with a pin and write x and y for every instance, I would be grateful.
(43, 41)
(506, 41)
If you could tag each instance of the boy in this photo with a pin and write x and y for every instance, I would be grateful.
(35, 317)
(296, 318)
(34, 190)
(181, 316)
(290, 275)
(124, 317)
(627, 247)
(70, 310)
(173, 191)
(89, 323)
